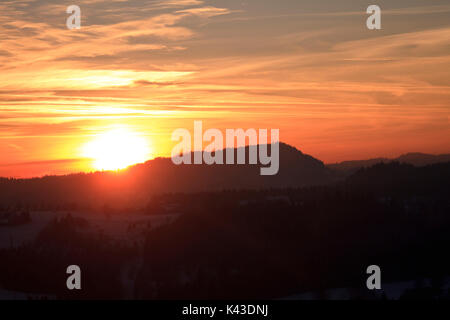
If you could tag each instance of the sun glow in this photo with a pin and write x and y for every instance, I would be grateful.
(117, 149)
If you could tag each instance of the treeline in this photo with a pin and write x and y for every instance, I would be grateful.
(275, 243)
(40, 267)
(260, 244)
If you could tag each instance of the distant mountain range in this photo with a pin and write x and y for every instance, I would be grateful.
(416, 159)
(137, 184)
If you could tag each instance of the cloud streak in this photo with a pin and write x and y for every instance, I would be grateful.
(335, 89)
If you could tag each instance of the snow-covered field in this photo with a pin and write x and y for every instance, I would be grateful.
(116, 226)
(391, 291)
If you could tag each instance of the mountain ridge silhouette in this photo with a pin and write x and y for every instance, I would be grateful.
(137, 184)
(413, 158)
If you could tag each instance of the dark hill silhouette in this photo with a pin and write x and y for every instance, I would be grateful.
(137, 183)
(385, 178)
(325, 237)
(423, 159)
(322, 237)
(416, 159)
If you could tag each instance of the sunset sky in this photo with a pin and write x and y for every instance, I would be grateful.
(312, 69)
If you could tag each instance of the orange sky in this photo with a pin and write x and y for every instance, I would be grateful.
(335, 90)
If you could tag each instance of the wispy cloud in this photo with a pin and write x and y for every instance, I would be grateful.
(311, 69)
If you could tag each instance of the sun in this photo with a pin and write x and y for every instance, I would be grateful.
(117, 149)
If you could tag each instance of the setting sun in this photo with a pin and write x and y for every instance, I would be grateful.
(117, 149)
